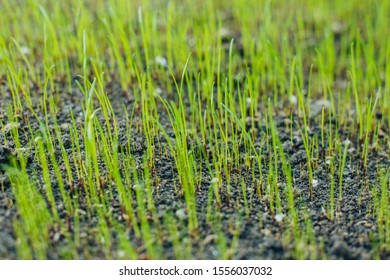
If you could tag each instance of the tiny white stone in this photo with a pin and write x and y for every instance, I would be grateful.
(248, 100)
(315, 183)
(293, 99)
(65, 126)
(157, 91)
(10, 126)
(25, 50)
(162, 61)
(215, 180)
(121, 254)
(181, 214)
(347, 142)
(223, 32)
(56, 236)
(337, 27)
(279, 217)
(318, 105)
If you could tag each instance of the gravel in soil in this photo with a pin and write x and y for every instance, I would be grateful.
(262, 234)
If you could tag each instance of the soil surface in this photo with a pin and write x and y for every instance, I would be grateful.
(351, 236)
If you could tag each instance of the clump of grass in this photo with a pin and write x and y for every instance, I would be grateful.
(32, 228)
(380, 196)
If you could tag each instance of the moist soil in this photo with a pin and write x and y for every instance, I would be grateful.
(351, 235)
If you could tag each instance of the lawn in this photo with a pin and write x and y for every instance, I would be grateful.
(240, 129)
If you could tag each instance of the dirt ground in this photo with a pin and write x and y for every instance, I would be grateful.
(350, 236)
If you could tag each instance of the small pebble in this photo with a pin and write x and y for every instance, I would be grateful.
(162, 61)
(181, 214)
(279, 217)
(25, 50)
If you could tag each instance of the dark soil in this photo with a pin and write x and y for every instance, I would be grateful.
(351, 236)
